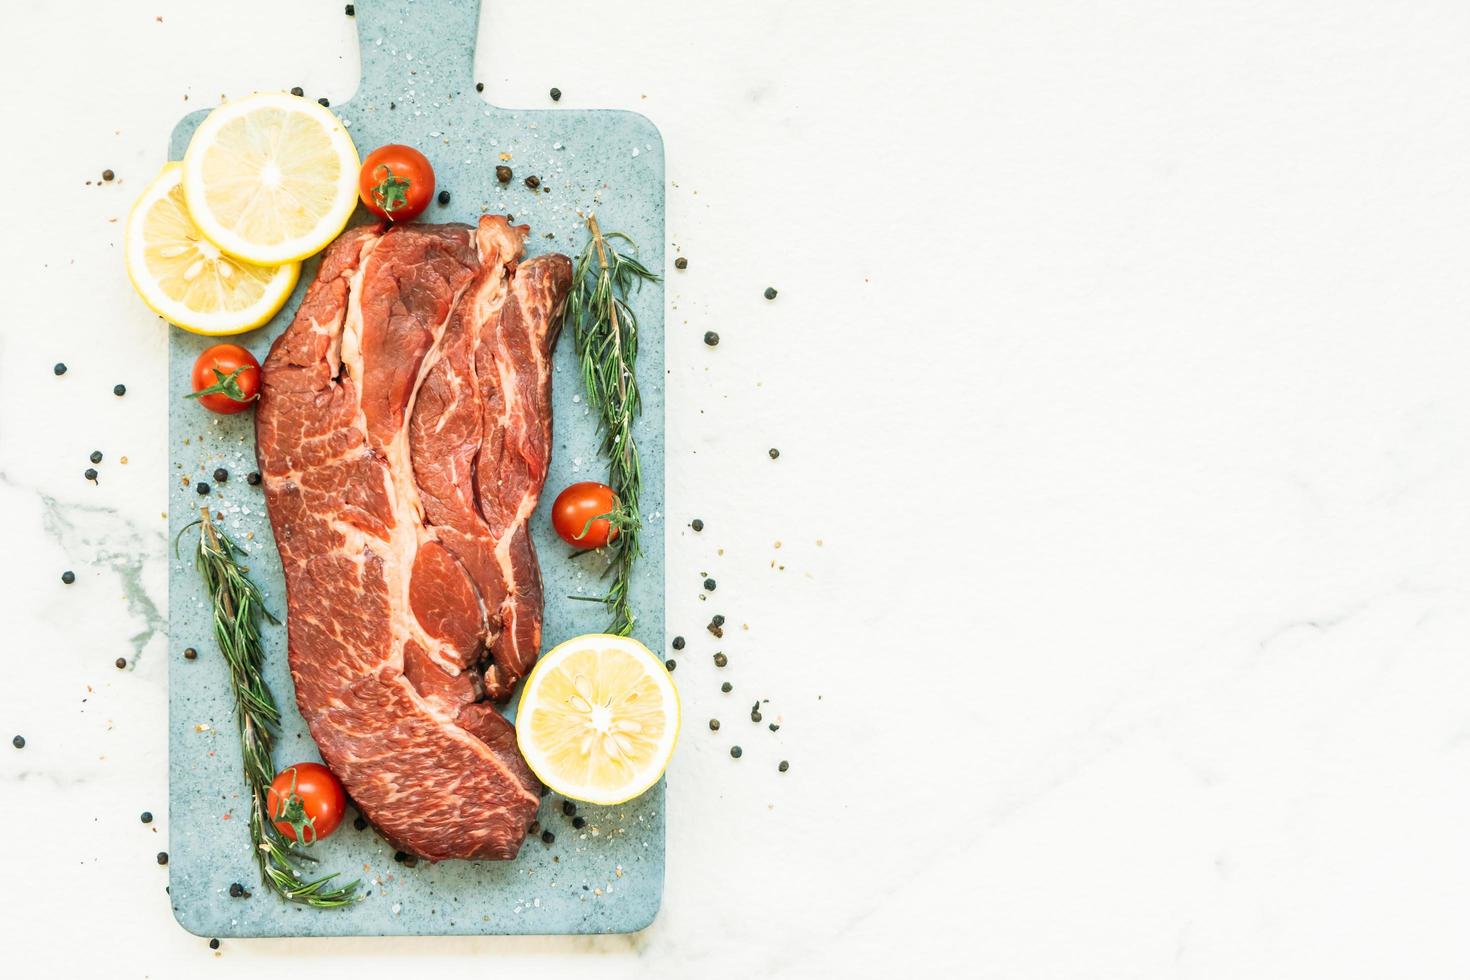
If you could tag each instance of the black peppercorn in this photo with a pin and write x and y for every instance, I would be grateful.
(697, 524)
(59, 369)
(533, 182)
(350, 10)
(714, 724)
(236, 889)
(774, 727)
(711, 338)
(727, 687)
(556, 95)
(201, 488)
(19, 741)
(214, 944)
(535, 827)
(669, 665)
(443, 198)
(721, 660)
(190, 653)
(717, 620)
(579, 822)
(119, 390)
(120, 663)
(90, 474)
(709, 585)
(96, 456)
(479, 86)
(163, 857)
(548, 837)
(775, 453)
(755, 716)
(770, 292)
(360, 823)
(503, 174)
(68, 577)
(681, 263)
(298, 91)
(253, 479)
(783, 766)
(400, 856)
(736, 751)
(678, 643)
(569, 808)
(146, 817)
(108, 175)
(221, 475)
(323, 103)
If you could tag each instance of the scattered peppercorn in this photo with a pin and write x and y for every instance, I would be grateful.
(503, 174)
(579, 822)
(323, 103)
(253, 479)
(783, 766)
(714, 724)
(236, 889)
(221, 475)
(774, 727)
(146, 817)
(163, 857)
(443, 198)
(214, 944)
(569, 808)
(681, 263)
(717, 620)
(190, 653)
(736, 751)
(697, 524)
(351, 11)
(721, 660)
(89, 474)
(709, 585)
(775, 453)
(548, 837)
(479, 86)
(96, 456)
(201, 488)
(669, 665)
(360, 823)
(711, 339)
(770, 292)
(556, 95)
(120, 663)
(68, 577)
(400, 856)
(119, 390)
(298, 91)
(727, 687)
(755, 716)
(59, 369)
(535, 827)
(107, 175)
(533, 182)
(678, 643)
(19, 741)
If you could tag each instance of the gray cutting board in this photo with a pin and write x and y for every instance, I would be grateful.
(418, 88)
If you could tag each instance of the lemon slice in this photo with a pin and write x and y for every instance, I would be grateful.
(271, 178)
(598, 719)
(185, 279)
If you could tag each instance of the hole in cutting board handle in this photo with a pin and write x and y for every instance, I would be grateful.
(427, 47)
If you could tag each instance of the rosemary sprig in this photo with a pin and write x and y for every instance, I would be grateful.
(238, 608)
(605, 330)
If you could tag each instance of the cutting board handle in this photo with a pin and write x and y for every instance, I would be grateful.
(427, 46)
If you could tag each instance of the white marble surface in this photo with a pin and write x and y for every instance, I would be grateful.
(1118, 373)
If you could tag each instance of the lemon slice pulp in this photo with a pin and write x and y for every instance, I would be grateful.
(598, 719)
(271, 178)
(185, 279)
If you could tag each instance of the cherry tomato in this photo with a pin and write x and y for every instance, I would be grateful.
(396, 182)
(306, 799)
(580, 503)
(226, 379)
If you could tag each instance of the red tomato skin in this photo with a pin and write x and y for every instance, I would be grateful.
(227, 358)
(578, 504)
(321, 795)
(402, 163)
